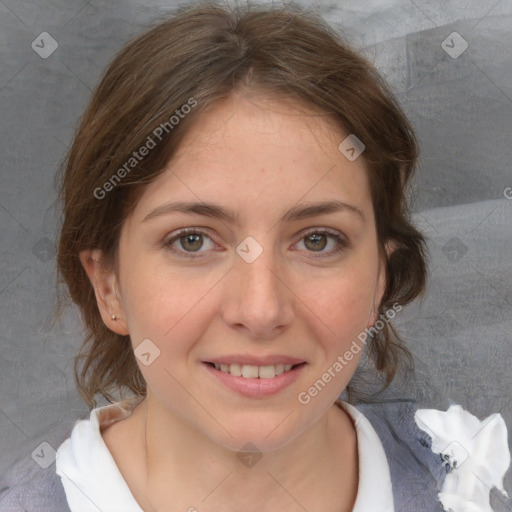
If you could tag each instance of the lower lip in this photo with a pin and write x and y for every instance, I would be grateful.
(257, 388)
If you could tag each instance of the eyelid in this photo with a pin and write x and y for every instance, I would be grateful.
(311, 231)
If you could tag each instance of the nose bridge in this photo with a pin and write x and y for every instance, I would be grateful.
(260, 277)
(257, 272)
(261, 300)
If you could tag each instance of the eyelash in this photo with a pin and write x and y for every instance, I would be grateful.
(341, 242)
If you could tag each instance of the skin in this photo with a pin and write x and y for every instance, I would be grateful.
(260, 157)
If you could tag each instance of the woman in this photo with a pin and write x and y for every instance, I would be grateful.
(236, 235)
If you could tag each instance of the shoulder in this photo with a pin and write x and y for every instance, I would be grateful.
(27, 487)
(417, 473)
(438, 459)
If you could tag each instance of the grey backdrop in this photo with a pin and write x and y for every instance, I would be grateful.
(458, 99)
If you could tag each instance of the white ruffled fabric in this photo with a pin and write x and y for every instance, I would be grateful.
(475, 452)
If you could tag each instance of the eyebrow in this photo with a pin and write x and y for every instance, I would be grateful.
(298, 212)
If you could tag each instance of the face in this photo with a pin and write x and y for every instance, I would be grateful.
(249, 274)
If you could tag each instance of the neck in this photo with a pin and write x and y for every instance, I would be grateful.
(317, 471)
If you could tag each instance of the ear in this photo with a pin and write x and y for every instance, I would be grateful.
(106, 289)
(380, 287)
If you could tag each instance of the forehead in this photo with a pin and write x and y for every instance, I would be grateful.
(281, 121)
(279, 150)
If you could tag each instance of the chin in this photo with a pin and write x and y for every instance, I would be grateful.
(270, 432)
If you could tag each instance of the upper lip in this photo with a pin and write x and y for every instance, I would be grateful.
(252, 360)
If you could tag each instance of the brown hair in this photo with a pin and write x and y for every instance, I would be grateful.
(202, 54)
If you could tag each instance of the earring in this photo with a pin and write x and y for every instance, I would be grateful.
(114, 317)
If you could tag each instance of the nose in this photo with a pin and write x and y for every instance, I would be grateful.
(257, 298)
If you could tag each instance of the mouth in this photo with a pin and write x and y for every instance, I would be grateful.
(249, 371)
(257, 381)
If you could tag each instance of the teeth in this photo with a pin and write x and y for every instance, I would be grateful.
(253, 372)
(266, 372)
(249, 372)
(235, 369)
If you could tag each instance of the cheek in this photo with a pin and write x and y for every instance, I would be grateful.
(165, 307)
(343, 301)
(340, 316)
(165, 317)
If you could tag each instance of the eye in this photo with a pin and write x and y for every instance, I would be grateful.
(190, 241)
(316, 240)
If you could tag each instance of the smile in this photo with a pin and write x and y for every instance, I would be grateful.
(254, 381)
(249, 371)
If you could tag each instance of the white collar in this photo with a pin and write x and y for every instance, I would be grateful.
(374, 491)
